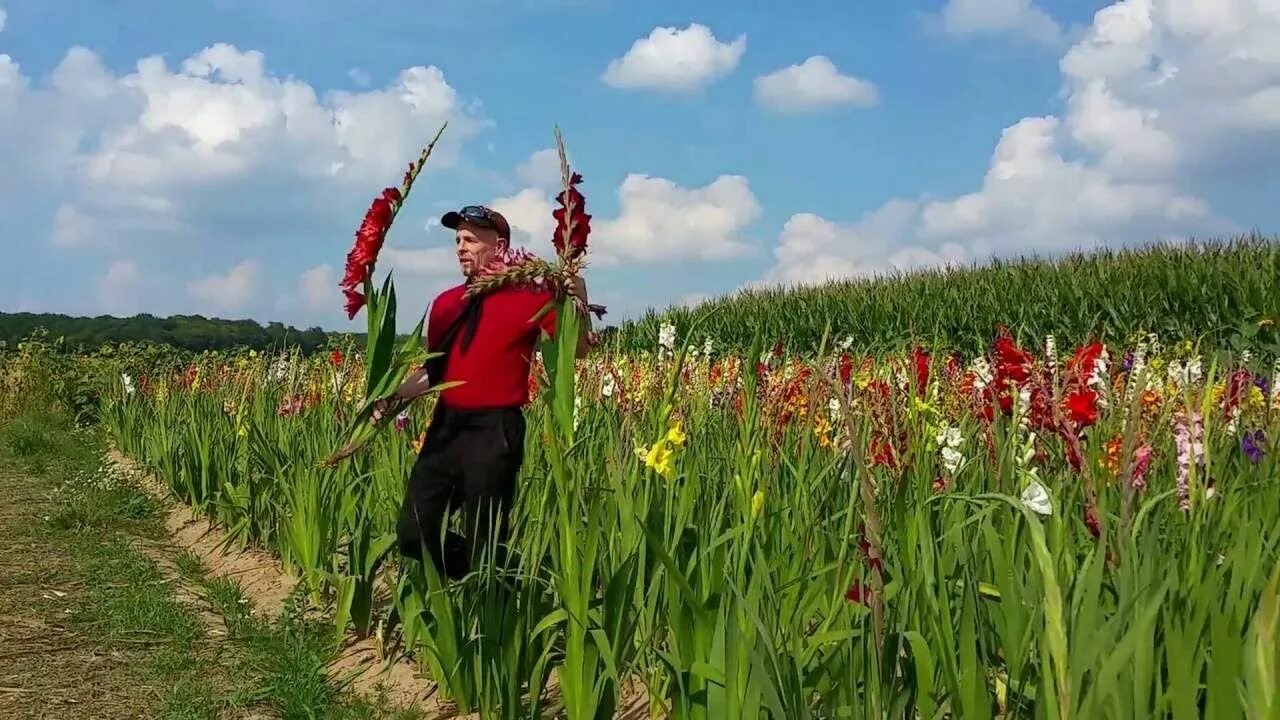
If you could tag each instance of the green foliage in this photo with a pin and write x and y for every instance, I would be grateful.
(1213, 291)
(193, 333)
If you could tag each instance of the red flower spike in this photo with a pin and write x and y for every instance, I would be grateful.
(858, 593)
(920, 360)
(369, 240)
(355, 301)
(576, 226)
(1082, 407)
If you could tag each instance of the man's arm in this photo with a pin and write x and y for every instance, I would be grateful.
(584, 332)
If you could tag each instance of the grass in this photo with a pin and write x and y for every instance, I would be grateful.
(113, 631)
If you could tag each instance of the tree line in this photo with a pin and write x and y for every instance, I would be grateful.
(194, 333)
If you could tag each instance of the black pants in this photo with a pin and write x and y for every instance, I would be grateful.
(469, 462)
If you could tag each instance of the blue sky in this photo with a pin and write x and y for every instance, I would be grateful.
(215, 157)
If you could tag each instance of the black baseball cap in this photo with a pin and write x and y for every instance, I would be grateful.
(479, 216)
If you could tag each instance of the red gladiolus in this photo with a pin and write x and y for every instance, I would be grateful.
(335, 358)
(1080, 366)
(369, 239)
(882, 453)
(355, 301)
(858, 593)
(576, 226)
(1082, 407)
(1238, 384)
(1092, 522)
(846, 369)
(920, 360)
(1012, 362)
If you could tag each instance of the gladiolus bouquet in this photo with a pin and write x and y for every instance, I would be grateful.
(386, 364)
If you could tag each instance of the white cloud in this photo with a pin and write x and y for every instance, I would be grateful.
(168, 153)
(675, 60)
(529, 214)
(118, 289)
(232, 291)
(4, 17)
(542, 170)
(359, 76)
(1160, 94)
(812, 85)
(318, 287)
(1172, 87)
(660, 220)
(1014, 17)
(435, 261)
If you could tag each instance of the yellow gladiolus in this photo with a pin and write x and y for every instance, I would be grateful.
(675, 435)
(659, 458)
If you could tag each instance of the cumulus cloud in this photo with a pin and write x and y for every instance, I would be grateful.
(213, 152)
(1013, 17)
(529, 214)
(1114, 170)
(231, 291)
(166, 149)
(814, 84)
(542, 170)
(660, 220)
(4, 17)
(675, 60)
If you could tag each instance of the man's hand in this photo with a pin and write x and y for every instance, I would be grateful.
(383, 407)
(576, 287)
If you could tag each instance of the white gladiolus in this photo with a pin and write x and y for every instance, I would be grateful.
(949, 440)
(666, 339)
(951, 459)
(1036, 498)
(981, 373)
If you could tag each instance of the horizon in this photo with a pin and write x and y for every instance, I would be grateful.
(212, 160)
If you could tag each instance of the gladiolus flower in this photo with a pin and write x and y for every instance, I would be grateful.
(1082, 407)
(858, 593)
(364, 254)
(576, 225)
(920, 361)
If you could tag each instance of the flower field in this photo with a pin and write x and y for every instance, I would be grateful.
(1086, 531)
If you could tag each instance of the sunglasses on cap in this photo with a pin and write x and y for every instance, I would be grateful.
(477, 215)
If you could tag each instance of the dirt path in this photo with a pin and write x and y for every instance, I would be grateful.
(49, 667)
(117, 606)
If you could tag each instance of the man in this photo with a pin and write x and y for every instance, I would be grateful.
(475, 444)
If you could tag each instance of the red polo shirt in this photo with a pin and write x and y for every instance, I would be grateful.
(494, 370)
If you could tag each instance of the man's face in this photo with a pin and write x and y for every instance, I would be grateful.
(476, 247)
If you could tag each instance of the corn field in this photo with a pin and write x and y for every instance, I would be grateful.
(1214, 292)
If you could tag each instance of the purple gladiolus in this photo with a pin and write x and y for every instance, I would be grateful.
(1252, 444)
